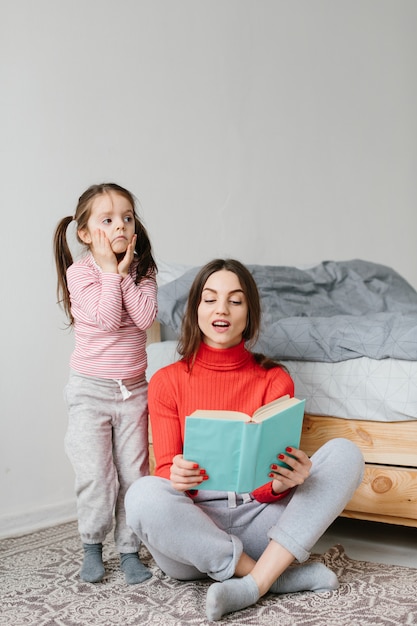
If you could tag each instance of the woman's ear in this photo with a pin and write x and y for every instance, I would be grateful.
(84, 235)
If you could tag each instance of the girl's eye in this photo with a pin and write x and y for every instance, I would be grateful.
(128, 218)
(107, 220)
(235, 302)
(208, 301)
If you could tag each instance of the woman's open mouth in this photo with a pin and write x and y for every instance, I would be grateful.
(221, 325)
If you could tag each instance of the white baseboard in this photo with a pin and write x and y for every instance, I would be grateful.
(25, 523)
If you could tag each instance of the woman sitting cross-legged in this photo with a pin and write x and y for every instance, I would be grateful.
(245, 542)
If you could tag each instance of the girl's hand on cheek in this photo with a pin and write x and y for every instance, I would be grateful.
(102, 252)
(186, 475)
(125, 263)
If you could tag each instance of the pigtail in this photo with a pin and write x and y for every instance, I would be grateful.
(146, 266)
(63, 259)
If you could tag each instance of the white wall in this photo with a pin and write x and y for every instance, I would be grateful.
(273, 131)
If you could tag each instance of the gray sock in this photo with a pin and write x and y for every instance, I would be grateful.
(310, 577)
(92, 570)
(231, 595)
(134, 570)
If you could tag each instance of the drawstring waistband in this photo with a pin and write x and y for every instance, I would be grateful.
(232, 499)
(123, 389)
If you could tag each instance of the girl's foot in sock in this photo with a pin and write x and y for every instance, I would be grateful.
(92, 570)
(310, 577)
(134, 570)
(231, 595)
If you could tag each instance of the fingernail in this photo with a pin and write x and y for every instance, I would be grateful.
(271, 475)
(205, 477)
(281, 456)
(288, 449)
(202, 471)
(273, 466)
(195, 465)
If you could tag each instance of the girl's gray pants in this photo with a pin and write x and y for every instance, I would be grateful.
(107, 444)
(192, 538)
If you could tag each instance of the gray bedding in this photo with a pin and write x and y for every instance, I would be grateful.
(332, 312)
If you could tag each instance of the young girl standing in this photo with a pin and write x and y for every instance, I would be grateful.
(110, 298)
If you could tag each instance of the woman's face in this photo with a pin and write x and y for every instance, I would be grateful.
(223, 310)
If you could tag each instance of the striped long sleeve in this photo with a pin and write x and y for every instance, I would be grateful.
(111, 315)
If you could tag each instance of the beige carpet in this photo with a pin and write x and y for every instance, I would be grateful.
(39, 586)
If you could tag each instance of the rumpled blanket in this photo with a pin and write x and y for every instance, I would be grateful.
(335, 311)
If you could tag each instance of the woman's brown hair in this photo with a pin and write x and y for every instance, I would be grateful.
(146, 265)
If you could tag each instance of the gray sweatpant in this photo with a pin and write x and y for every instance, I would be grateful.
(107, 444)
(205, 536)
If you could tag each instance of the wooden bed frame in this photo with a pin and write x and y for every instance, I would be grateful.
(388, 492)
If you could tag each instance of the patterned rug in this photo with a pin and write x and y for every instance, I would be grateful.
(40, 586)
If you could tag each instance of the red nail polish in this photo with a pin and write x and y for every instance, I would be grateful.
(195, 465)
(274, 466)
(288, 449)
(271, 476)
(281, 456)
(202, 471)
(205, 477)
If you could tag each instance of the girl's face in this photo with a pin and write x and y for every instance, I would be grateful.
(223, 311)
(113, 214)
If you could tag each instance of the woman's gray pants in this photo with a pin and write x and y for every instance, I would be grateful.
(192, 538)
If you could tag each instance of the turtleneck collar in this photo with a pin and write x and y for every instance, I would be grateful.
(222, 359)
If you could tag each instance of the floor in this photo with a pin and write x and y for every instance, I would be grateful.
(372, 541)
(368, 541)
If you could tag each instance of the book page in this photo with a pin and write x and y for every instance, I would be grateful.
(273, 407)
(222, 415)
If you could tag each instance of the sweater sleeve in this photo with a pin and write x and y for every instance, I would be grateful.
(97, 295)
(140, 300)
(265, 494)
(165, 423)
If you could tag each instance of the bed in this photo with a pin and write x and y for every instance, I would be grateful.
(347, 333)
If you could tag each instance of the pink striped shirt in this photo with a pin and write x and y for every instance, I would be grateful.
(111, 315)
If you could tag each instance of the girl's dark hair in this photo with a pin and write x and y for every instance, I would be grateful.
(146, 265)
(191, 335)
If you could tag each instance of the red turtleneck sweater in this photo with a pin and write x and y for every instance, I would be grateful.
(228, 379)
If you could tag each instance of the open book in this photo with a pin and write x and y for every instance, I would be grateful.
(236, 449)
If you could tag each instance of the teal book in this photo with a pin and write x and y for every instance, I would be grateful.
(237, 450)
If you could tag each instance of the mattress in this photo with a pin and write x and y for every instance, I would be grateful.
(368, 389)
(379, 390)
